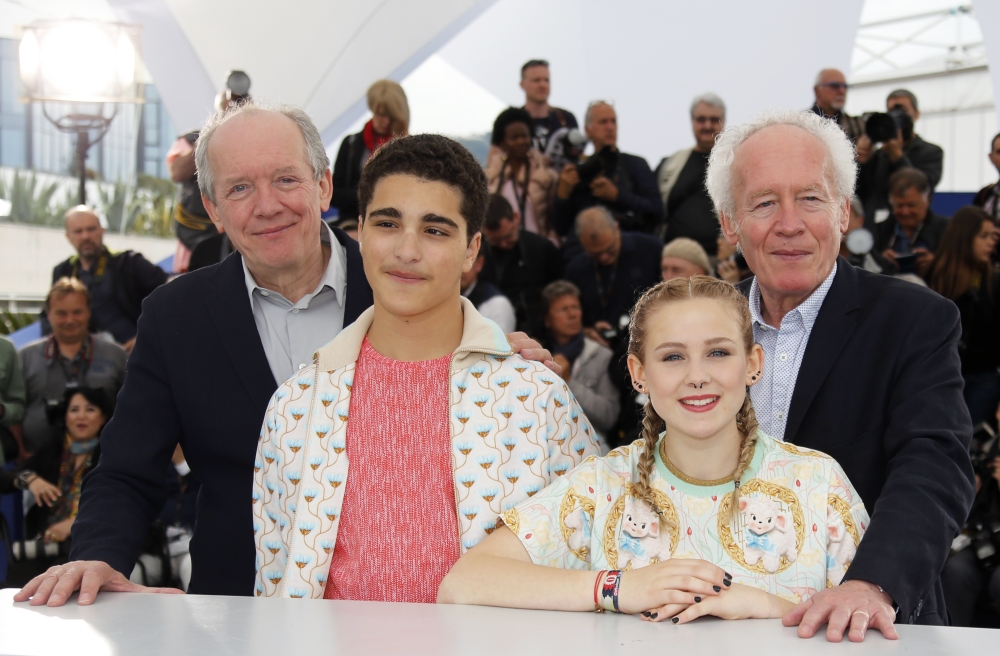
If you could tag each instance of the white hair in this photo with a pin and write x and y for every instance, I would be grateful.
(711, 100)
(591, 107)
(839, 164)
(315, 152)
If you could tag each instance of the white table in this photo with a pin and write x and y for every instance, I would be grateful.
(132, 624)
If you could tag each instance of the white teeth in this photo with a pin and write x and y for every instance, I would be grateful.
(701, 402)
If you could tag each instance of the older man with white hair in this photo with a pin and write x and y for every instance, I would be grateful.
(862, 367)
(211, 347)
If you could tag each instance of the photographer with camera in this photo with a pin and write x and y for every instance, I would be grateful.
(194, 227)
(620, 182)
(912, 233)
(615, 268)
(830, 91)
(69, 357)
(901, 147)
(974, 564)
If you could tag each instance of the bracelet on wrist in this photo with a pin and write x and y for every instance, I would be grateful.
(597, 585)
(610, 583)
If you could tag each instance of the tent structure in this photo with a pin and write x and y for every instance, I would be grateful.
(649, 57)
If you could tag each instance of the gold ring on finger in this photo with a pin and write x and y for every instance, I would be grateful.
(861, 612)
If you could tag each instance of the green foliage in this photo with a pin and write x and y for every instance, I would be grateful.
(32, 201)
(13, 321)
(150, 208)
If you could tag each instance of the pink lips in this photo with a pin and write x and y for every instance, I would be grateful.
(700, 408)
(405, 277)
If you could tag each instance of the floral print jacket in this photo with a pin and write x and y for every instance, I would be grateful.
(515, 427)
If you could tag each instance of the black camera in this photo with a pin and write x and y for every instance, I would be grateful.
(986, 544)
(613, 334)
(600, 163)
(885, 126)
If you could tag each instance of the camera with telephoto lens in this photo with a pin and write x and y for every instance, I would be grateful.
(600, 163)
(885, 126)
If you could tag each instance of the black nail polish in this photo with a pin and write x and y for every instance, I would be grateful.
(674, 620)
(728, 575)
(645, 613)
(717, 588)
(728, 582)
(697, 600)
(653, 616)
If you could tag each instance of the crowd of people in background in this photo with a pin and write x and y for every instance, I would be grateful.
(569, 243)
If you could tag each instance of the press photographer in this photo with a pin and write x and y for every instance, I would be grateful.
(621, 182)
(889, 144)
(912, 233)
(971, 576)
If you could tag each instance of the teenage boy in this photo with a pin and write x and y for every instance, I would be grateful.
(448, 427)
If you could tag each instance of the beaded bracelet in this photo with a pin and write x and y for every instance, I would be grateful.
(609, 590)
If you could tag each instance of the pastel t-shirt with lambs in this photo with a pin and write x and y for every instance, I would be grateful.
(795, 527)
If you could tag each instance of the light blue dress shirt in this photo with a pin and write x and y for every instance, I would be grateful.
(784, 347)
(292, 332)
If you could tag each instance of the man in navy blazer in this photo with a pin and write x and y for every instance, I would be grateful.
(859, 366)
(211, 348)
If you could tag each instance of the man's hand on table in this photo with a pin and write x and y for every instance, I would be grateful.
(57, 585)
(855, 604)
(529, 349)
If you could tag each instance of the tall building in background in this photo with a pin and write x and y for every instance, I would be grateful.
(29, 141)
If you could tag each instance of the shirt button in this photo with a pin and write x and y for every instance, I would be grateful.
(295, 310)
(264, 293)
(780, 416)
(302, 366)
(783, 357)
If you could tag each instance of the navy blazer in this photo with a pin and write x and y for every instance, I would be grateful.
(880, 390)
(198, 376)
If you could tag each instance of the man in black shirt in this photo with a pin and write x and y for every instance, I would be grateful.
(687, 207)
(546, 119)
(614, 269)
(523, 263)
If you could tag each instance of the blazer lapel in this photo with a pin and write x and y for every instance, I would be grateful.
(834, 325)
(229, 305)
(359, 293)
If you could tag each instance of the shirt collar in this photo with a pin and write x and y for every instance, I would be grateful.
(335, 276)
(808, 309)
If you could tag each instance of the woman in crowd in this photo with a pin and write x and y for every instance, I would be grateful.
(963, 273)
(54, 474)
(391, 118)
(520, 173)
(704, 515)
(584, 362)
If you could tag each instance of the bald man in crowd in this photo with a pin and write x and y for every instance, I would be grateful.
(830, 90)
(614, 269)
(117, 282)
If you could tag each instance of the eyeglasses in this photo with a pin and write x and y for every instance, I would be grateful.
(836, 86)
(708, 119)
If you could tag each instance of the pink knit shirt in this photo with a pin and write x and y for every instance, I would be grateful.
(398, 534)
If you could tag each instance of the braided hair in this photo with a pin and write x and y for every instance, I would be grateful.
(746, 420)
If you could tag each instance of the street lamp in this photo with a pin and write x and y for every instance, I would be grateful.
(80, 62)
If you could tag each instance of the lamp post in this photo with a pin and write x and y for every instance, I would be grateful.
(89, 64)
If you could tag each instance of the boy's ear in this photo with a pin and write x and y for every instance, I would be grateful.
(471, 253)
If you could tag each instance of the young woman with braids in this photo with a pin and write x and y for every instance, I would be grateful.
(703, 515)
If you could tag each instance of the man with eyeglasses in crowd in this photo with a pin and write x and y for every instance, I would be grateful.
(546, 119)
(687, 207)
(831, 96)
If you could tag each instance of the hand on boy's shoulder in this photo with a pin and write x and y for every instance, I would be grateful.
(529, 349)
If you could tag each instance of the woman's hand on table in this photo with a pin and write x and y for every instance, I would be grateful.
(670, 586)
(57, 585)
(738, 602)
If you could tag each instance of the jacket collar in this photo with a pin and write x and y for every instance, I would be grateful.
(479, 335)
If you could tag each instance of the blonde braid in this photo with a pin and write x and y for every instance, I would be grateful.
(650, 434)
(746, 423)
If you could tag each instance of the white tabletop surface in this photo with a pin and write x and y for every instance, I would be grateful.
(120, 623)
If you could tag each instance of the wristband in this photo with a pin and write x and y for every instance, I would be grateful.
(609, 590)
(597, 584)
